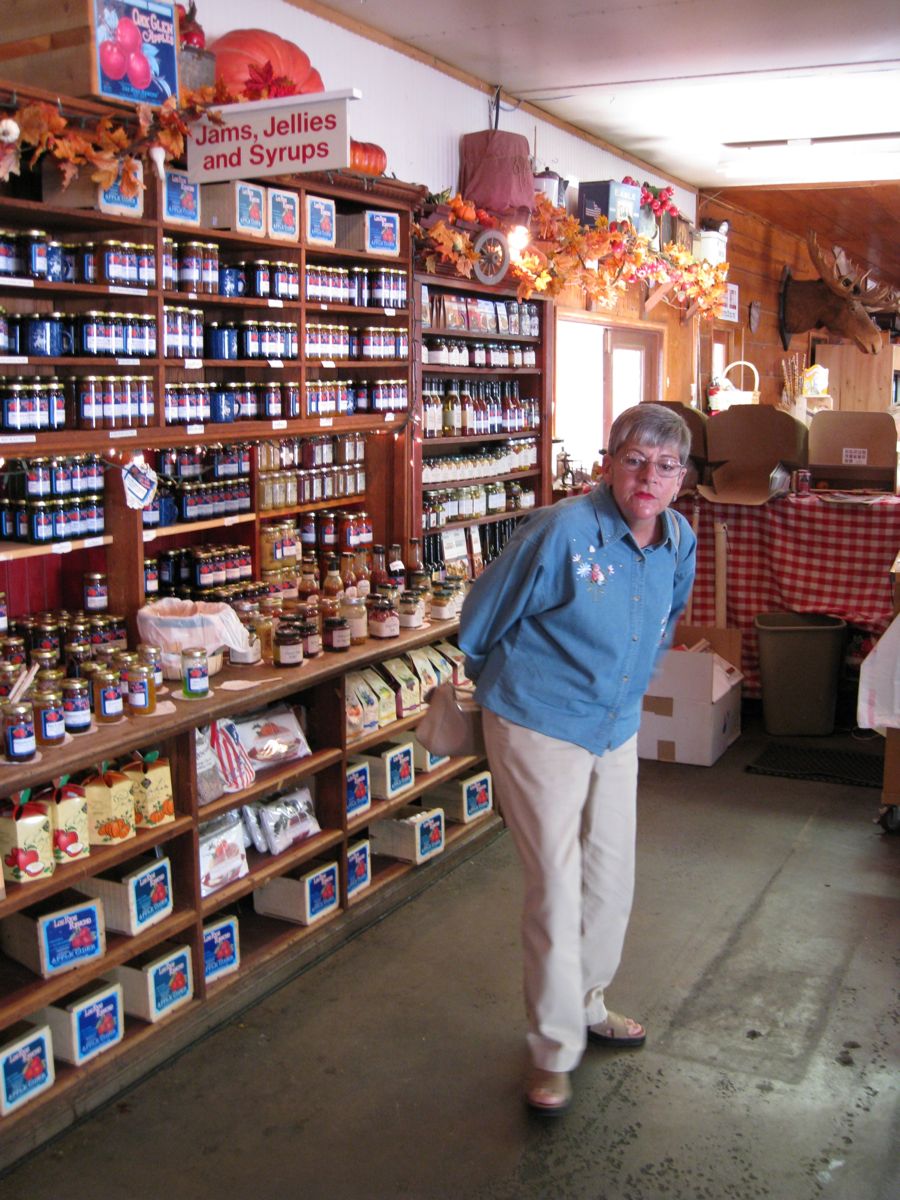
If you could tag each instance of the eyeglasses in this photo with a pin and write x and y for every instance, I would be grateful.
(666, 468)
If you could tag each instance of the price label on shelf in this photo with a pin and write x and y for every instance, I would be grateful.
(327, 362)
(389, 312)
(389, 416)
(123, 433)
(193, 364)
(324, 422)
(275, 362)
(61, 548)
(113, 290)
(128, 362)
(279, 424)
(195, 429)
(230, 521)
(9, 281)
(149, 535)
(12, 358)
(18, 439)
(89, 543)
(323, 307)
(273, 303)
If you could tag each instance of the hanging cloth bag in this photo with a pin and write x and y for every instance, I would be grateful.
(495, 168)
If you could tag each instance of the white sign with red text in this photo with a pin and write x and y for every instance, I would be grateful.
(272, 137)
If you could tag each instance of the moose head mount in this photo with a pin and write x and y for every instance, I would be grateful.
(840, 300)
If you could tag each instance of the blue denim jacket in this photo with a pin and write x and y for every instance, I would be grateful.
(563, 631)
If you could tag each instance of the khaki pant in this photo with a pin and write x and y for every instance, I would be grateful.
(572, 817)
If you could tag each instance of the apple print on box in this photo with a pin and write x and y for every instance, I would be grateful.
(136, 56)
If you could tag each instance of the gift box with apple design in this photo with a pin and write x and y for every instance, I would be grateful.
(87, 1022)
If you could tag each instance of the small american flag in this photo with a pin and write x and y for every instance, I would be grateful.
(237, 768)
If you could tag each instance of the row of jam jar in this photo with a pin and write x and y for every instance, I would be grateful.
(197, 567)
(79, 401)
(371, 342)
(179, 502)
(343, 397)
(309, 485)
(39, 522)
(83, 335)
(185, 336)
(43, 478)
(320, 451)
(454, 352)
(522, 319)
(363, 287)
(196, 267)
(191, 463)
(33, 254)
(518, 454)
(57, 631)
(224, 403)
(442, 508)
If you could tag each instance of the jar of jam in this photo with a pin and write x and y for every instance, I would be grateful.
(96, 593)
(383, 619)
(122, 661)
(12, 650)
(411, 611)
(443, 606)
(336, 634)
(76, 655)
(19, 742)
(49, 719)
(353, 610)
(8, 676)
(76, 703)
(44, 660)
(141, 690)
(108, 705)
(312, 638)
(151, 656)
(194, 672)
(287, 646)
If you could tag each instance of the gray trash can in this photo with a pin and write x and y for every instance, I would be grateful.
(799, 663)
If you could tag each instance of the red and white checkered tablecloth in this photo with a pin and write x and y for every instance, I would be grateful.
(797, 554)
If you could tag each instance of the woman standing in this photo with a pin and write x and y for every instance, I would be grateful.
(561, 635)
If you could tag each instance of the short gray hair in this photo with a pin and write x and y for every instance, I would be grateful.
(650, 425)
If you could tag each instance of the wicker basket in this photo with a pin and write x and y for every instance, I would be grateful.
(725, 397)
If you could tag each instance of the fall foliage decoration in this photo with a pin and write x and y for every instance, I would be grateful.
(602, 259)
(254, 64)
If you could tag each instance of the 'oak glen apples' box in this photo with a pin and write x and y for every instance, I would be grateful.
(412, 835)
(236, 205)
(157, 982)
(391, 770)
(56, 935)
(358, 796)
(26, 1065)
(86, 1023)
(282, 215)
(373, 231)
(303, 898)
(692, 709)
(135, 895)
(464, 799)
(359, 866)
(221, 948)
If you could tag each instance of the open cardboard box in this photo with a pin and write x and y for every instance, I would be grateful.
(853, 450)
(692, 709)
(756, 446)
(696, 422)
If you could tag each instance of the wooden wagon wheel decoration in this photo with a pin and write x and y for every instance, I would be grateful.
(492, 262)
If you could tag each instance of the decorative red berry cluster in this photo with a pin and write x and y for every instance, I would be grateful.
(658, 200)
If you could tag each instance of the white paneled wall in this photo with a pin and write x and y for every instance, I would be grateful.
(416, 113)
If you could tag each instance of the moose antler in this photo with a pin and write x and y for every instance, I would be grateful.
(841, 276)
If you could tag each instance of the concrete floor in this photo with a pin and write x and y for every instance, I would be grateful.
(761, 955)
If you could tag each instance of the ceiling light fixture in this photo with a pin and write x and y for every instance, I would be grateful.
(838, 140)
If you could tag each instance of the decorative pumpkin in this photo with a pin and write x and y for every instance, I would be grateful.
(367, 158)
(254, 56)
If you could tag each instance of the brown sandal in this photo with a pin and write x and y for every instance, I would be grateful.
(548, 1092)
(617, 1031)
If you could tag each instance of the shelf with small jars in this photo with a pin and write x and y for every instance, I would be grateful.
(482, 443)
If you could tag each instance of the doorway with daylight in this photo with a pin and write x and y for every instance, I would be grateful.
(601, 369)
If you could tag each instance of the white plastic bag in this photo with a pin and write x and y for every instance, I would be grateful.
(878, 702)
(173, 625)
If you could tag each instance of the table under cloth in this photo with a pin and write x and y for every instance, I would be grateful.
(796, 554)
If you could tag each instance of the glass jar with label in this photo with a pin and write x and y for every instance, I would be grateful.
(353, 610)
(76, 704)
(336, 634)
(287, 645)
(443, 607)
(383, 619)
(151, 656)
(49, 720)
(312, 638)
(194, 672)
(19, 742)
(410, 610)
(96, 592)
(141, 689)
(108, 704)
